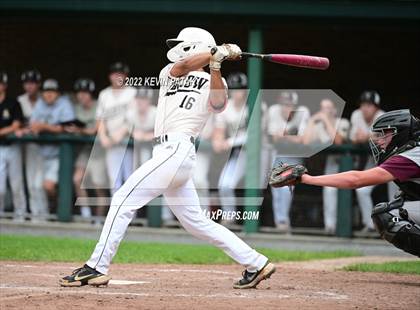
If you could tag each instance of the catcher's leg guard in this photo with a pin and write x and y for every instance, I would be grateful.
(398, 230)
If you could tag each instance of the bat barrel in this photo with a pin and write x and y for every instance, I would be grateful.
(303, 61)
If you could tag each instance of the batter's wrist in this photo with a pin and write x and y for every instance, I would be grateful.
(215, 65)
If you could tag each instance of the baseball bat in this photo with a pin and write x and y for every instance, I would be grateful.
(303, 61)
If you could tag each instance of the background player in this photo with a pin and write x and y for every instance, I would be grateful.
(230, 135)
(113, 127)
(185, 98)
(286, 125)
(38, 203)
(11, 119)
(361, 121)
(89, 165)
(50, 113)
(142, 120)
(325, 127)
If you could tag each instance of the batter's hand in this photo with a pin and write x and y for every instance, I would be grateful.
(223, 52)
(219, 54)
(234, 51)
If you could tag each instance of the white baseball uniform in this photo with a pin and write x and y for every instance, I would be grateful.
(282, 196)
(319, 134)
(181, 112)
(233, 120)
(363, 194)
(113, 109)
(144, 123)
(38, 203)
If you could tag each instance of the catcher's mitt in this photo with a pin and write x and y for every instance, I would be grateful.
(286, 175)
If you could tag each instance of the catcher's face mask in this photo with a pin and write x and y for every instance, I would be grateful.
(380, 140)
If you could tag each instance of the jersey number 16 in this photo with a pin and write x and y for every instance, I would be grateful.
(187, 102)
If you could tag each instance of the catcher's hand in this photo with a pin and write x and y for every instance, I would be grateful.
(286, 175)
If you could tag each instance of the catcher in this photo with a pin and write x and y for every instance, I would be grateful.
(395, 145)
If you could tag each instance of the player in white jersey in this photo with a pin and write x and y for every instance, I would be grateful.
(187, 93)
(113, 126)
(361, 121)
(142, 121)
(286, 124)
(38, 203)
(230, 135)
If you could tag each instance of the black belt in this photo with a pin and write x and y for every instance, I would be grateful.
(164, 138)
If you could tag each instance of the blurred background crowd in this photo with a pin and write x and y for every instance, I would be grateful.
(30, 171)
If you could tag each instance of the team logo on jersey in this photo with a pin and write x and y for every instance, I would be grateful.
(6, 114)
(191, 83)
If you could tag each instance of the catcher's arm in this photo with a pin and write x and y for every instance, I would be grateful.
(350, 179)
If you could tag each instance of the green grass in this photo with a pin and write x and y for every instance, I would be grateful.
(410, 267)
(48, 249)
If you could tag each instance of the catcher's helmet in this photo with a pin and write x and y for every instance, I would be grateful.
(3, 77)
(392, 132)
(84, 84)
(31, 75)
(370, 96)
(237, 80)
(190, 41)
(119, 67)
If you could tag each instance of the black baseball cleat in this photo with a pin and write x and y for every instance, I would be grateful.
(84, 276)
(251, 279)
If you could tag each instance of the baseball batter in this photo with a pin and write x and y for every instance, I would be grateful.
(186, 97)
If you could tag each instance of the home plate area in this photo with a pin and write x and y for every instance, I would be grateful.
(137, 286)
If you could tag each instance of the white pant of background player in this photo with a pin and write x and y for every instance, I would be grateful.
(169, 172)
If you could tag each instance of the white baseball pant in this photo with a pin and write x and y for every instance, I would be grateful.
(329, 194)
(34, 164)
(169, 172)
(11, 168)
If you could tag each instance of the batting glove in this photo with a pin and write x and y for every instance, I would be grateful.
(223, 52)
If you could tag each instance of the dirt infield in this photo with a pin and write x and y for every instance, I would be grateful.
(308, 285)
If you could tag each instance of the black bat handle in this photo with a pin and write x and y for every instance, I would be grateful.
(254, 55)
